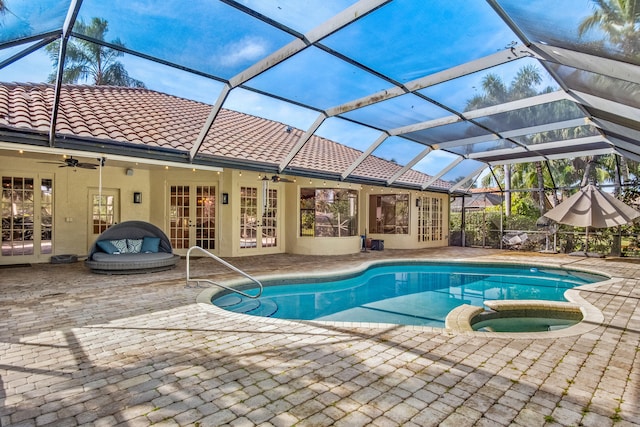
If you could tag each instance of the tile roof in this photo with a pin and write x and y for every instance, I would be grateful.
(153, 119)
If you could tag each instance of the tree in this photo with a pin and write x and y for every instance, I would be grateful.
(495, 91)
(618, 20)
(85, 60)
(3, 10)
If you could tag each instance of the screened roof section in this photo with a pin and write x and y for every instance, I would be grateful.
(431, 86)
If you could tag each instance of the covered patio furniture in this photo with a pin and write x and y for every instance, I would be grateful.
(131, 247)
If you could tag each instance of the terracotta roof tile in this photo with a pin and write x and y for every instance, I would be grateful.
(141, 116)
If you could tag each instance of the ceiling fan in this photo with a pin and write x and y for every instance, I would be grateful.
(276, 178)
(73, 163)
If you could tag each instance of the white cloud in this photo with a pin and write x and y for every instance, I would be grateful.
(246, 50)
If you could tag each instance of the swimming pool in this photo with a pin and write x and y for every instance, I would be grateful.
(406, 293)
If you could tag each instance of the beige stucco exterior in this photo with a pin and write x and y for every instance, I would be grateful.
(73, 187)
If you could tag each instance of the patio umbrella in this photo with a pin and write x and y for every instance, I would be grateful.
(591, 207)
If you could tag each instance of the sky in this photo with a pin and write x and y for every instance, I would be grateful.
(404, 40)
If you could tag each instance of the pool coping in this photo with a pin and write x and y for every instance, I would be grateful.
(592, 317)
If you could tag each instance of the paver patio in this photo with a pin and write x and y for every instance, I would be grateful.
(83, 349)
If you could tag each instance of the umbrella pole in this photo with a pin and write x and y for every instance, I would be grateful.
(586, 242)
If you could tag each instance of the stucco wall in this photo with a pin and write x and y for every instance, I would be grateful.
(72, 189)
(344, 245)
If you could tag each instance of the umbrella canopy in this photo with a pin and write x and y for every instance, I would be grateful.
(591, 207)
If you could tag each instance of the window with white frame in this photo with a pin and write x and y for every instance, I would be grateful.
(328, 212)
(389, 213)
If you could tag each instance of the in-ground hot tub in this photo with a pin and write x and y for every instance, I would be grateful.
(526, 316)
(516, 316)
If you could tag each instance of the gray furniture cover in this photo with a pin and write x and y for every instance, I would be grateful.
(128, 263)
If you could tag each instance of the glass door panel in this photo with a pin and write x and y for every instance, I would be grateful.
(192, 217)
(103, 213)
(206, 217)
(179, 216)
(430, 219)
(248, 217)
(258, 217)
(27, 217)
(46, 216)
(270, 219)
(17, 216)
(103, 206)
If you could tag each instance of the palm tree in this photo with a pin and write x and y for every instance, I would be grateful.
(618, 20)
(495, 91)
(85, 60)
(3, 9)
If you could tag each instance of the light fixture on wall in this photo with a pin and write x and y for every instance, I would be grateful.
(129, 172)
(137, 197)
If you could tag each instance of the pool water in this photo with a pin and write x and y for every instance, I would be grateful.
(407, 294)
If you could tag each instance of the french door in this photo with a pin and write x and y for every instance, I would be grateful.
(192, 217)
(258, 217)
(105, 211)
(27, 218)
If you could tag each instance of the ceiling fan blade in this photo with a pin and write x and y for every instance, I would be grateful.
(86, 165)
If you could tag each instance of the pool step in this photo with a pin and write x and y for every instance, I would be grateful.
(254, 307)
(228, 301)
(245, 306)
(267, 308)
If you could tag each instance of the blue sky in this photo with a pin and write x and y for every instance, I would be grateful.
(404, 40)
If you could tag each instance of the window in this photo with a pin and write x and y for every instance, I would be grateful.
(430, 219)
(389, 214)
(328, 212)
